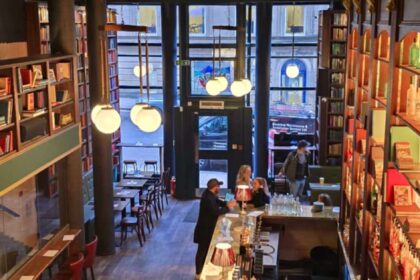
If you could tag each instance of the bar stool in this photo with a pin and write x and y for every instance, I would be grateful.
(129, 163)
(151, 163)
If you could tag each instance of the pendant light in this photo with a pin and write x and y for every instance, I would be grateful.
(148, 119)
(106, 119)
(213, 85)
(292, 69)
(221, 78)
(140, 69)
(139, 105)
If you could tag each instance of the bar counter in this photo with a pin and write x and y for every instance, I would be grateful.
(293, 235)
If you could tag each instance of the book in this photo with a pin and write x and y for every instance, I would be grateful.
(40, 100)
(6, 142)
(30, 102)
(6, 112)
(403, 155)
(402, 195)
(62, 71)
(5, 86)
(26, 78)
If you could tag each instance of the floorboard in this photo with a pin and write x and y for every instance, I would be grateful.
(168, 253)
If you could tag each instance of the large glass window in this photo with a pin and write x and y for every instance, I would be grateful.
(197, 20)
(202, 71)
(213, 133)
(295, 19)
(148, 17)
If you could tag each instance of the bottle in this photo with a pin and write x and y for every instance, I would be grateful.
(411, 98)
(414, 54)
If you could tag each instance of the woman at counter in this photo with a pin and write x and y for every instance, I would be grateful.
(260, 193)
(244, 176)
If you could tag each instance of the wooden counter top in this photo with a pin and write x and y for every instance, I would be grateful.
(38, 263)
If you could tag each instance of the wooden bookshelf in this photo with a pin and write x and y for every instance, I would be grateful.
(114, 90)
(37, 105)
(380, 197)
(332, 34)
(37, 28)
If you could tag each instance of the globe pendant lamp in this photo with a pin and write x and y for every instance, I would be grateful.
(247, 85)
(221, 78)
(213, 86)
(148, 119)
(238, 88)
(106, 119)
(139, 105)
(292, 69)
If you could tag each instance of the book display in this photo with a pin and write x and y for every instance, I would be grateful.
(31, 105)
(380, 215)
(37, 18)
(332, 34)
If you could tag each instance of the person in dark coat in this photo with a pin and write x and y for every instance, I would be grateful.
(260, 193)
(296, 168)
(210, 209)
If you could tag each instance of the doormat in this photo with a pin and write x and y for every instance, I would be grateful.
(192, 215)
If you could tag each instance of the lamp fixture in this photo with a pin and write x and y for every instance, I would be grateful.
(221, 78)
(292, 69)
(213, 86)
(106, 119)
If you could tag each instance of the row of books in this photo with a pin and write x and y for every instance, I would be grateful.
(336, 107)
(338, 63)
(6, 109)
(334, 149)
(80, 30)
(34, 104)
(339, 34)
(43, 14)
(6, 142)
(337, 78)
(336, 121)
(5, 86)
(112, 57)
(45, 48)
(337, 93)
(83, 92)
(81, 45)
(87, 163)
(113, 70)
(338, 49)
(112, 43)
(44, 33)
(113, 83)
(335, 135)
(111, 16)
(61, 120)
(80, 76)
(340, 19)
(59, 96)
(115, 95)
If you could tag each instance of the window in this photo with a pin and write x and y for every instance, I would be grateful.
(147, 17)
(202, 71)
(294, 20)
(197, 20)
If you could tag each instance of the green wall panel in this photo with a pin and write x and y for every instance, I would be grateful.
(31, 159)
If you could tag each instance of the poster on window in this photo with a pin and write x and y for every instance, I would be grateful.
(202, 71)
(197, 20)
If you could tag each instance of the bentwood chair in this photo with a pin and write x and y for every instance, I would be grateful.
(90, 254)
(73, 270)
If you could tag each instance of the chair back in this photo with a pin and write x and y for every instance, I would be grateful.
(90, 253)
(77, 268)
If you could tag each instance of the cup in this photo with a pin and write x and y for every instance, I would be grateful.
(321, 180)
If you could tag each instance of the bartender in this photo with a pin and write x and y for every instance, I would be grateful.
(210, 209)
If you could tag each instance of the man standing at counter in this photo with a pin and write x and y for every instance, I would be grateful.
(210, 209)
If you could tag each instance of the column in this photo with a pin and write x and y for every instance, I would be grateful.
(169, 46)
(101, 143)
(262, 87)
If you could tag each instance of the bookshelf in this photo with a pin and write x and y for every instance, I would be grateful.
(332, 34)
(114, 90)
(380, 213)
(37, 100)
(37, 28)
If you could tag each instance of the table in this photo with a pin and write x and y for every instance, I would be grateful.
(121, 206)
(137, 184)
(141, 175)
(37, 264)
(333, 190)
(123, 194)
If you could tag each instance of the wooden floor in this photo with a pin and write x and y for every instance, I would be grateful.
(168, 253)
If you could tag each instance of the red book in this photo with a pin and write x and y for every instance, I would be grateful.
(26, 75)
(5, 85)
(40, 100)
(30, 102)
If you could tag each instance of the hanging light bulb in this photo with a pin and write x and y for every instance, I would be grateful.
(223, 82)
(136, 70)
(107, 120)
(134, 111)
(292, 70)
(213, 87)
(95, 111)
(238, 88)
(148, 119)
(247, 85)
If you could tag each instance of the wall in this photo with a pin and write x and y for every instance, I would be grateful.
(12, 21)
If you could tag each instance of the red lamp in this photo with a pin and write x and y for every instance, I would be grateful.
(223, 256)
(243, 194)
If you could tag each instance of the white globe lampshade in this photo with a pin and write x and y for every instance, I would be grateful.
(108, 120)
(247, 85)
(237, 88)
(149, 119)
(95, 112)
(213, 87)
(292, 70)
(223, 82)
(134, 111)
(136, 70)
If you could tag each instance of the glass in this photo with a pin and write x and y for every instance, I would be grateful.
(213, 133)
(213, 168)
(295, 19)
(140, 154)
(202, 71)
(147, 16)
(307, 72)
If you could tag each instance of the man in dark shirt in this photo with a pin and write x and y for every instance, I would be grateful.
(210, 209)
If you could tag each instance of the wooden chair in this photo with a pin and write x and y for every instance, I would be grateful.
(145, 206)
(135, 223)
(72, 271)
(90, 254)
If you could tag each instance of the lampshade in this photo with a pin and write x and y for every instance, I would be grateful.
(148, 119)
(223, 255)
(243, 193)
(247, 85)
(95, 111)
(223, 82)
(136, 70)
(108, 120)
(238, 88)
(135, 110)
(213, 87)
(292, 70)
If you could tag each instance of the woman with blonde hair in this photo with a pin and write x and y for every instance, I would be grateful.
(244, 176)
(260, 193)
